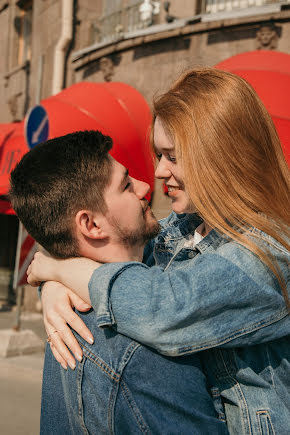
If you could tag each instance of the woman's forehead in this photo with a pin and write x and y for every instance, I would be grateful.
(161, 138)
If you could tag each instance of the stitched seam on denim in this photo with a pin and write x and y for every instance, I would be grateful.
(224, 340)
(267, 415)
(270, 366)
(135, 411)
(269, 240)
(100, 363)
(80, 368)
(239, 393)
(114, 392)
(133, 346)
(111, 407)
(179, 249)
(215, 393)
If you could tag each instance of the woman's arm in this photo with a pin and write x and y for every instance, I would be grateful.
(73, 273)
(205, 303)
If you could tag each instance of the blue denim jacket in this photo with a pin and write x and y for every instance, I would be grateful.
(122, 387)
(218, 298)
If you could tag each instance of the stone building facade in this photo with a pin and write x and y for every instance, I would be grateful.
(140, 42)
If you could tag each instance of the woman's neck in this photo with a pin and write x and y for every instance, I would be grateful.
(206, 230)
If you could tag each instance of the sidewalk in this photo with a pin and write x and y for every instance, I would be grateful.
(20, 381)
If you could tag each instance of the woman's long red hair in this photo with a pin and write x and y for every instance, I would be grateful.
(235, 172)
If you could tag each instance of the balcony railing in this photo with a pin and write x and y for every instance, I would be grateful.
(113, 26)
(215, 6)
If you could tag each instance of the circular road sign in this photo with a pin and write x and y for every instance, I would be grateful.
(36, 127)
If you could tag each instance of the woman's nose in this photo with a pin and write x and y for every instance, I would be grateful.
(162, 170)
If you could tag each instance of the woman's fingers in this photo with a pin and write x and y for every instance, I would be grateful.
(64, 341)
(79, 303)
(62, 315)
(57, 356)
(58, 313)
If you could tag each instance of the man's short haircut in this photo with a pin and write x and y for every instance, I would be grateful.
(54, 181)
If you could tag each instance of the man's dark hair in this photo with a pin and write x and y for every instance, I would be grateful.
(54, 181)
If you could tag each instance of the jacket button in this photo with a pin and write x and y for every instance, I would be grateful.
(191, 254)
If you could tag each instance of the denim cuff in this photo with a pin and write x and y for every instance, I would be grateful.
(100, 286)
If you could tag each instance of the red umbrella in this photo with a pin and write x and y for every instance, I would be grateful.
(269, 74)
(116, 109)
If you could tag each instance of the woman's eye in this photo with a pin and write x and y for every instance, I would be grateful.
(128, 185)
(158, 156)
(172, 158)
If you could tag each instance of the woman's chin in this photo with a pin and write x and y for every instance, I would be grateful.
(182, 208)
(179, 209)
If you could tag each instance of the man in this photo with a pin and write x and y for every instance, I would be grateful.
(76, 200)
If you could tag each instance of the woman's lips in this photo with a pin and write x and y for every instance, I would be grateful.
(173, 188)
(173, 191)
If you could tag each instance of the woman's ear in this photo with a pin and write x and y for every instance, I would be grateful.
(91, 224)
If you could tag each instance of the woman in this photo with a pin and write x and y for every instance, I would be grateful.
(220, 283)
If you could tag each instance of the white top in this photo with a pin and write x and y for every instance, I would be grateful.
(196, 238)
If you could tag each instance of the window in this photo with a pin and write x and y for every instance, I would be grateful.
(214, 6)
(116, 20)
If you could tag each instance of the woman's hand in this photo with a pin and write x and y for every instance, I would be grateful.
(58, 302)
(42, 268)
(74, 273)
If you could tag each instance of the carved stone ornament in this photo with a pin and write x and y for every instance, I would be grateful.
(107, 68)
(267, 37)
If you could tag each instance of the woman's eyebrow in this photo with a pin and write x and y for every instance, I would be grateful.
(167, 149)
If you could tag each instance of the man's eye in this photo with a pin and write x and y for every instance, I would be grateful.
(128, 185)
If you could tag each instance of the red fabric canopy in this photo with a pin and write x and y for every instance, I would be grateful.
(269, 74)
(116, 109)
(5, 207)
(12, 148)
(262, 60)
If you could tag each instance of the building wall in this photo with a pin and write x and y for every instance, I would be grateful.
(152, 62)
(149, 63)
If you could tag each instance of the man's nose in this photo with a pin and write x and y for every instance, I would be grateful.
(162, 171)
(140, 188)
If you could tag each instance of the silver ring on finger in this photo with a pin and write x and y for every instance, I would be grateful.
(49, 336)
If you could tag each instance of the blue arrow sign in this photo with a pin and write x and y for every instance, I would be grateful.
(36, 127)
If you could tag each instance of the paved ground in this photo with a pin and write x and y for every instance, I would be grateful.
(20, 382)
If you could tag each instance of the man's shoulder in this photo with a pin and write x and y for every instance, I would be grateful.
(110, 351)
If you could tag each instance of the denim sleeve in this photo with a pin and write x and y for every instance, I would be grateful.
(193, 308)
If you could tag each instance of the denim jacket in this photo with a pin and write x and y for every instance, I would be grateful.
(218, 298)
(121, 387)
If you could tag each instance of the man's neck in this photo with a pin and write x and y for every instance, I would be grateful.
(112, 253)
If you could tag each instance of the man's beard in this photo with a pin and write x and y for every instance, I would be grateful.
(148, 231)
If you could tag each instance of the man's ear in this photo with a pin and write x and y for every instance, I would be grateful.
(91, 224)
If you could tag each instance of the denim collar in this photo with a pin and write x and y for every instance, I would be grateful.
(178, 228)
